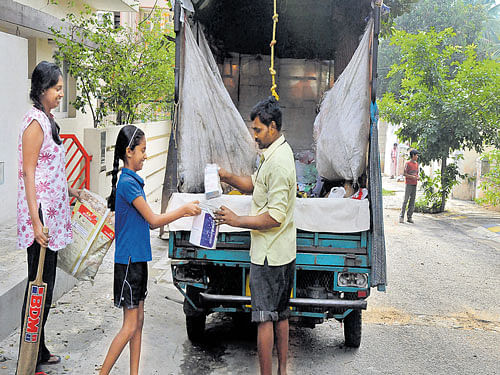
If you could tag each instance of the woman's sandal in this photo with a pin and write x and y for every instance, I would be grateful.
(53, 360)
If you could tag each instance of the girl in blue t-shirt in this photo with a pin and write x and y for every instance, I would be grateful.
(133, 219)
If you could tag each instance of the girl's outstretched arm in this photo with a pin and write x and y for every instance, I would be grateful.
(159, 220)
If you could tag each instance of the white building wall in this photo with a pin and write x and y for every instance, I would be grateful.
(390, 139)
(59, 10)
(13, 105)
(466, 189)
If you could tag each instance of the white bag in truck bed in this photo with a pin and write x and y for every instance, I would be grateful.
(343, 215)
(211, 130)
(342, 127)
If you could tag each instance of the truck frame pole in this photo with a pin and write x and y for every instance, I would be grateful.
(170, 180)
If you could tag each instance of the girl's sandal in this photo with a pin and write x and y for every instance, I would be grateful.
(53, 360)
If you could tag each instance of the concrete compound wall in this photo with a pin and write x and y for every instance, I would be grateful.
(475, 168)
(466, 189)
(100, 144)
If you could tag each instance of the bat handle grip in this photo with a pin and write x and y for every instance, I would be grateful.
(41, 260)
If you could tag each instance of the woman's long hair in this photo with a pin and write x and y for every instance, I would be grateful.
(45, 75)
(129, 136)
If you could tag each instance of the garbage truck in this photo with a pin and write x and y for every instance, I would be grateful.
(340, 242)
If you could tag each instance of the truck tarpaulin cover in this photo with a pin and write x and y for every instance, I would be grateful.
(379, 268)
(342, 127)
(211, 130)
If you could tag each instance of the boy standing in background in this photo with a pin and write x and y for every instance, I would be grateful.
(411, 179)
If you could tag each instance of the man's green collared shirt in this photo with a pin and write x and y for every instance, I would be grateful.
(274, 191)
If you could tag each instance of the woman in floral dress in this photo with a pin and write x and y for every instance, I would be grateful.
(42, 187)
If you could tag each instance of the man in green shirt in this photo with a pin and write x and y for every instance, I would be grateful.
(273, 235)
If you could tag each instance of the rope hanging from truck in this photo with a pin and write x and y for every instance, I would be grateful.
(272, 44)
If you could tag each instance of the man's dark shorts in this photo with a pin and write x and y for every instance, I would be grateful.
(130, 284)
(270, 288)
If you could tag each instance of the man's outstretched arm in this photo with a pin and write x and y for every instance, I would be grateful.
(260, 222)
(242, 183)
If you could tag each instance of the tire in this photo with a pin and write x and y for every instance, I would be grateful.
(195, 320)
(242, 323)
(195, 327)
(241, 319)
(352, 329)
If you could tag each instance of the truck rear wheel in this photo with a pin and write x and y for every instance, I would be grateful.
(352, 329)
(242, 323)
(195, 320)
(195, 327)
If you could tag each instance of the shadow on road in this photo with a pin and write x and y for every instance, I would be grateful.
(229, 342)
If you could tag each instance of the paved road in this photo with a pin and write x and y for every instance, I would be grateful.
(440, 314)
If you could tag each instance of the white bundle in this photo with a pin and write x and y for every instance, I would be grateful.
(212, 182)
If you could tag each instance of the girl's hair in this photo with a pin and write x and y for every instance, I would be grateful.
(129, 136)
(44, 76)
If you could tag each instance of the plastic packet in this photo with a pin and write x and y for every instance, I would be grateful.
(213, 188)
(204, 230)
(337, 192)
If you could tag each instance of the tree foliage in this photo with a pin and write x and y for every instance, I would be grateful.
(466, 17)
(437, 185)
(490, 41)
(490, 185)
(398, 8)
(129, 72)
(449, 99)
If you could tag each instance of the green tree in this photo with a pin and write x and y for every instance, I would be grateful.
(397, 8)
(491, 32)
(467, 19)
(449, 100)
(129, 72)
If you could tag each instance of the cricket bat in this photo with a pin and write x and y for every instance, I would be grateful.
(30, 336)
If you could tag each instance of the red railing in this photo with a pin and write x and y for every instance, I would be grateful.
(83, 162)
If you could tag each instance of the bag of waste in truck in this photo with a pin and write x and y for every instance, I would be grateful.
(93, 233)
(210, 128)
(342, 127)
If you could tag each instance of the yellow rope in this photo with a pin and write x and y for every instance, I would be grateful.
(273, 42)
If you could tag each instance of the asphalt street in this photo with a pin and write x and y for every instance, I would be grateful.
(439, 315)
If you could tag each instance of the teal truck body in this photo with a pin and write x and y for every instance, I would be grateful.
(335, 272)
